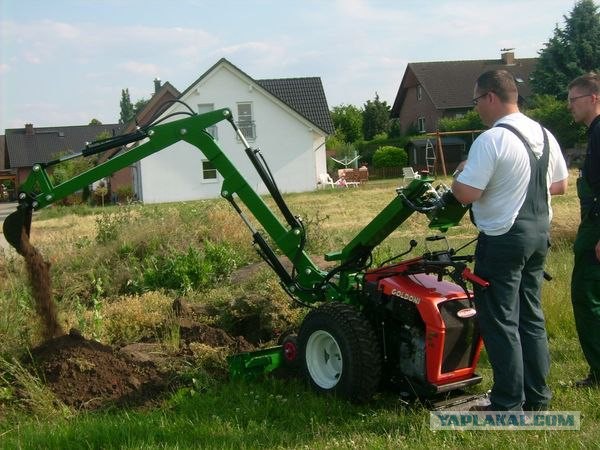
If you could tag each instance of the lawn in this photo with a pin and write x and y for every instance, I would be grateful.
(104, 260)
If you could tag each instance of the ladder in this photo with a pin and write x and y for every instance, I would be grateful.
(430, 157)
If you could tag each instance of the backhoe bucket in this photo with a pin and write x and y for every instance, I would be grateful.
(15, 225)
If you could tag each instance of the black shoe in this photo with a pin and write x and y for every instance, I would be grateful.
(590, 381)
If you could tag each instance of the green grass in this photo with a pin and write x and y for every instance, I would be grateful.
(285, 414)
(271, 413)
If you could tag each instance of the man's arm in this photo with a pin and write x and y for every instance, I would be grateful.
(464, 193)
(559, 187)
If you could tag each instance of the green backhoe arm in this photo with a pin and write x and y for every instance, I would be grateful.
(38, 191)
(307, 282)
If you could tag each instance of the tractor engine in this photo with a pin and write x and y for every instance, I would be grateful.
(429, 334)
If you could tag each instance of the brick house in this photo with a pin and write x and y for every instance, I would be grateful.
(30, 145)
(430, 91)
(23, 147)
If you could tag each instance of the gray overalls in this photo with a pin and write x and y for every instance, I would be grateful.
(509, 310)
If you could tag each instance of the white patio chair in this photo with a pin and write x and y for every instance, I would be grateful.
(409, 174)
(325, 179)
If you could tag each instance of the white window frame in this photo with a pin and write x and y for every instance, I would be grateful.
(419, 92)
(206, 170)
(421, 124)
(208, 107)
(246, 122)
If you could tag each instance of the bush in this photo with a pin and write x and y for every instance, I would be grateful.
(125, 193)
(183, 272)
(389, 156)
(366, 149)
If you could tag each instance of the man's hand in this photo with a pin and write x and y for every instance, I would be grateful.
(598, 250)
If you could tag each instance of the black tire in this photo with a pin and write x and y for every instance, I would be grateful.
(339, 352)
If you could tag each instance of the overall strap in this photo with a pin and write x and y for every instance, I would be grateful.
(545, 152)
(536, 200)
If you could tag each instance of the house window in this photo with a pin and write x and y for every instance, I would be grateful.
(208, 107)
(246, 121)
(421, 124)
(419, 92)
(209, 171)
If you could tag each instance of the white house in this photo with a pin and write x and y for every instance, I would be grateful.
(288, 119)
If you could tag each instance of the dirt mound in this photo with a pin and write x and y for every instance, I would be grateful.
(85, 374)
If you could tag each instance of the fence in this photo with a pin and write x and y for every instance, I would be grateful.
(385, 172)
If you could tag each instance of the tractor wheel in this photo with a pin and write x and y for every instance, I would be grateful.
(339, 352)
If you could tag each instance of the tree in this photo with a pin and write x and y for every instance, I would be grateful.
(139, 105)
(554, 115)
(127, 111)
(470, 121)
(348, 122)
(571, 52)
(95, 122)
(376, 118)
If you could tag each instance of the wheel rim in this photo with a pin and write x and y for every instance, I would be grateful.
(290, 351)
(324, 359)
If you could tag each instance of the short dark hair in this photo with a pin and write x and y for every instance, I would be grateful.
(589, 82)
(500, 82)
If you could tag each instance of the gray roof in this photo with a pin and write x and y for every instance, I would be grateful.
(449, 84)
(24, 149)
(304, 95)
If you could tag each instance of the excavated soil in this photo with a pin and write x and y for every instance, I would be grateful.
(85, 374)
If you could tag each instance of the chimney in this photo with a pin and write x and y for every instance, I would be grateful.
(156, 85)
(508, 56)
(29, 129)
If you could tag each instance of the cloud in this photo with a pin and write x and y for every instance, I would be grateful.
(44, 40)
(139, 68)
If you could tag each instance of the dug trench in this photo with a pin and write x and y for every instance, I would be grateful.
(85, 374)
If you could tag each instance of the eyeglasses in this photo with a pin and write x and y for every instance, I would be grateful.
(572, 99)
(476, 99)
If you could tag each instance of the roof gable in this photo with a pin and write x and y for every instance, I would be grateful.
(157, 104)
(449, 84)
(305, 96)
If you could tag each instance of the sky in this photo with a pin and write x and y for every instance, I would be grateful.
(65, 62)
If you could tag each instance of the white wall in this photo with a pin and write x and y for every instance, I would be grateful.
(294, 150)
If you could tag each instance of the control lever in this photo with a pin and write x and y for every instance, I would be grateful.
(468, 275)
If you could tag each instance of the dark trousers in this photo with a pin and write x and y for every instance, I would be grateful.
(510, 314)
(585, 292)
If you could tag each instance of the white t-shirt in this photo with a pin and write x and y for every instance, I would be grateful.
(498, 164)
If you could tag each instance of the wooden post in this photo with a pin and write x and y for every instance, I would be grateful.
(441, 152)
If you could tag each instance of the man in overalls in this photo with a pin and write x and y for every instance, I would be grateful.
(584, 104)
(508, 177)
